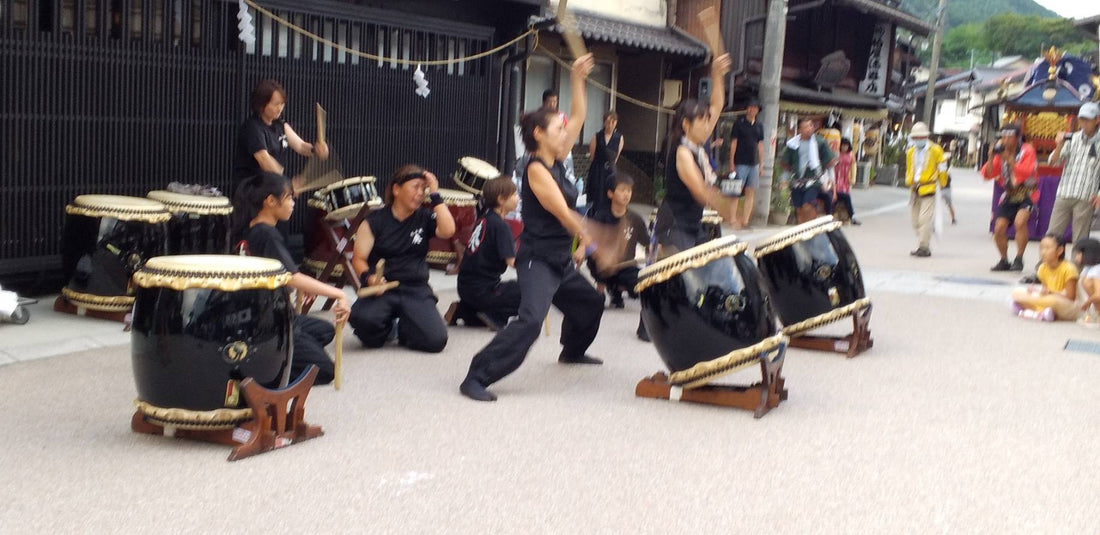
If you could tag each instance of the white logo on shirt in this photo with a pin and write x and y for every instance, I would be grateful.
(417, 236)
(475, 239)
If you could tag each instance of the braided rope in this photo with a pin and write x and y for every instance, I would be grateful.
(836, 314)
(705, 372)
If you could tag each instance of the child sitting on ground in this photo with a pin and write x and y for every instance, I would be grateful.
(624, 275)
(1055, 297)
(1086, 253)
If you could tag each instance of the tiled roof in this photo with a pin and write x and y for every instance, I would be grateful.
(896, 15)
(656, 38)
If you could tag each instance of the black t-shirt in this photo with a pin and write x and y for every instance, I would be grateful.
(631, 225)
(404, 244)
(543, 235)
(747, 135)
(253, 137)
(266, 241)
(490, 245)
(687, 213)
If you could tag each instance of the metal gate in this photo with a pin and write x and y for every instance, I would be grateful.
(124, 96)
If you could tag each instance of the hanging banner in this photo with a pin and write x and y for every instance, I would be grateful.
(878, 62)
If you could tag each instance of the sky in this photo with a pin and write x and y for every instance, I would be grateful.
(1077, 9)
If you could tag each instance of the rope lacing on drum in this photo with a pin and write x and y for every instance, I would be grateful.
(797, 234)
(692, 258)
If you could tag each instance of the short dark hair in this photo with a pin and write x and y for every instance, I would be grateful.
(1060, 242)
(548, 93)
(263, 92)
(495, 189)
(1089, 249)
(610, 114)
(845, 141)
(619, 179)
(539, 118)
(402, 175)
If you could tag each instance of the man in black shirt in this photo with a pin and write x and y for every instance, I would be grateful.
(746, 158)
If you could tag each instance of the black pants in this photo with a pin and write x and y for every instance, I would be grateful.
(421, 327)
(845, 200)
(311, 335)
(499, 303)
(622, 280)
(542, 284)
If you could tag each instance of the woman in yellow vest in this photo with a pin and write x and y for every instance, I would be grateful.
(925, 169)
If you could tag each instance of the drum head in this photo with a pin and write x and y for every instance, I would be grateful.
(691, 258)
(479, 168)
(349, 212)
(221, 272)
(194, 204)
(119, 207)
(454, 197)
(345, 183)
(795, 234)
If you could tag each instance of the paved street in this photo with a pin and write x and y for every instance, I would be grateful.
(961, 419)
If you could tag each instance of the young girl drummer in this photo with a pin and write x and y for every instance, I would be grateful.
(690, 177)
(398, 233)
(546, 265)
(261, 202)
(491, 251)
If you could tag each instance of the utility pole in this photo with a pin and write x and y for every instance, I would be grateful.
(933, 71)
(775, 33)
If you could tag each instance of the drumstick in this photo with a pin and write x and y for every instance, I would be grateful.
(377, 289)
(339, 354)
(711, 29)
(569, 30)
(321, 115)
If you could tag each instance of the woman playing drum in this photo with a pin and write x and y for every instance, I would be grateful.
(546, 265)
(398, 233)
(264, 138)
(690, 178)
(265, 200)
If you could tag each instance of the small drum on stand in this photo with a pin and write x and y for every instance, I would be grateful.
(711, 222)
(472, 174)
(199, 224)
(344, 199)
(463, 208)
(814, 280)
(709, 315)
(106, 239)
(203, 324)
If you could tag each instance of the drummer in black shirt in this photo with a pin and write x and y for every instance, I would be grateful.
(491, 251)
(547, 262)
(398, 233)
(264, 139)
(624, 275)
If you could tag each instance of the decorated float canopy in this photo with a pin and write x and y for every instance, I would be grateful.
(1058, 81)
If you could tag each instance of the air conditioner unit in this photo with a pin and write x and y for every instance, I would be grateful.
(671, 92)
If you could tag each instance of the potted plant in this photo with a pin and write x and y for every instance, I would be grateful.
(887, 173)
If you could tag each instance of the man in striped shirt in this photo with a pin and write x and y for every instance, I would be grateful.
(1077, 191)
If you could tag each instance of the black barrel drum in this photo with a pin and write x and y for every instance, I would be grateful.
(472, 174)
(707, 311)
(106, 239)
(812, 275)
(199, 224)
(202, 324)
(344, 199)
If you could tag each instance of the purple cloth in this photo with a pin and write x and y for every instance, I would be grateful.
(1040, 217)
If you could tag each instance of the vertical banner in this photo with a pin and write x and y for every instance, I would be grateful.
(878, 62)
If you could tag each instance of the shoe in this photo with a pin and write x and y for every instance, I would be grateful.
(1047, 314)
(921, 252)
(1016, 308)
(1017, 265)
(583, 359)
(617, 300)
(1003, 265)
(954, 222)
(856, 222)
(473, 390)
(492, 324)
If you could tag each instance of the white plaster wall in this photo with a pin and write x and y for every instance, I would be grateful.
(647, 12)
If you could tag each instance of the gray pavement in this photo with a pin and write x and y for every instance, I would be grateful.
(961, 419)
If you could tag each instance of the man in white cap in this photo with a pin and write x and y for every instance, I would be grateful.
(925, 170)
(1079, 153)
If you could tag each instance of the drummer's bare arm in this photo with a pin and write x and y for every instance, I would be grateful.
(267, 162)
(306, 284)
(364, 242)
(579, 105)
(718, 70)
(511, 261)
(622, 143)
(444, 222)
(688, 169)
(297, 144)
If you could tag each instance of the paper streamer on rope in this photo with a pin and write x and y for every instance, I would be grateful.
(421, 83)
(247, 33)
